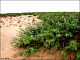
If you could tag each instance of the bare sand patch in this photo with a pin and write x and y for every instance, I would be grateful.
(10, 27)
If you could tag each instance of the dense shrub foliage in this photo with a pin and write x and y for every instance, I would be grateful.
(57, 29)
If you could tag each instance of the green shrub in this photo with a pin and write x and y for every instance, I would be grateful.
(57, 29)
(78, 56)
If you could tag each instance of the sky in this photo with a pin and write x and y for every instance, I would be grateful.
(39, 6)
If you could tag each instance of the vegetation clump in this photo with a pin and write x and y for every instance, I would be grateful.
(58, 29)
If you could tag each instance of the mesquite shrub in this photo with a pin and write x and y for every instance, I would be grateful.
(57, 29)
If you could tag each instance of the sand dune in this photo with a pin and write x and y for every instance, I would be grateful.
(10, 27)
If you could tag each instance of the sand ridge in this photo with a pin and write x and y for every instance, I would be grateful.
(10, 27)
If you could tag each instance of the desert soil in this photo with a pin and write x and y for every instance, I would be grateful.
(10, 27)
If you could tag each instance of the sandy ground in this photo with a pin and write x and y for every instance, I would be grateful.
(10, 27)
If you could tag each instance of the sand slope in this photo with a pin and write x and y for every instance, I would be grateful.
(10, 27)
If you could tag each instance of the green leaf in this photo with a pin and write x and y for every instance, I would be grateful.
(64, 54)
(78, 56)
(32, 50)
(73, 45)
